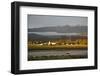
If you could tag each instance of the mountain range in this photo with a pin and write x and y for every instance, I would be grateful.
(33, 32)
(61, 29)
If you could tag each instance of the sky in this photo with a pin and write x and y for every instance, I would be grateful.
(36, 21)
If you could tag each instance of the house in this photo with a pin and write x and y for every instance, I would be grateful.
(51, 43)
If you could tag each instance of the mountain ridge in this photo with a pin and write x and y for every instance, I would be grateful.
(61, 29)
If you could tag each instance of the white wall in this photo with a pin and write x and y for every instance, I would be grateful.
(5, 41)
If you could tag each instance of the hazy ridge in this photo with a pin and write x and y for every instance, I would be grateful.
(61, 29)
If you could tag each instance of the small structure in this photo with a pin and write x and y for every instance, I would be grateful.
(41, 44)
(51, 43)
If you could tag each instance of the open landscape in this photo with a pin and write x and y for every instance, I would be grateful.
(57, 42)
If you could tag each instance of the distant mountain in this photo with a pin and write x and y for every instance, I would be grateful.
(35, 36)
(32, 36)
(61, 29)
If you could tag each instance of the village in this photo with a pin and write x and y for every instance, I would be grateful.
(59, 42)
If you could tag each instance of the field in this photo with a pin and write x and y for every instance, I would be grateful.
(57, 49)
(48, 47)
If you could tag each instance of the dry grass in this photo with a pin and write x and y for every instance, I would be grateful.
(48, 47)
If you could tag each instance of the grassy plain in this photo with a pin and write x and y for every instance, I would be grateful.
(50, 47)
